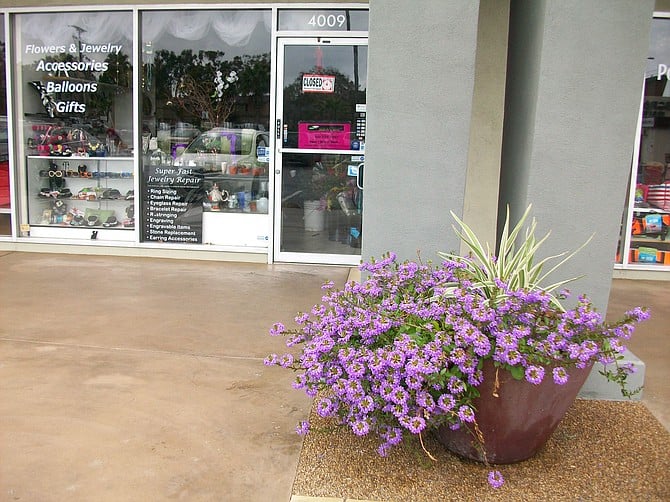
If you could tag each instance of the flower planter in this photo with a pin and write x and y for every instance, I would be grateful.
(518, 423)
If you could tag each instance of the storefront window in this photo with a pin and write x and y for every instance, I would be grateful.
(5, 201)
(648, 219)
(205, 105)
(76, 82)
(76, 104)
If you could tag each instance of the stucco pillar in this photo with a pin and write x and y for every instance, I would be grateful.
(419, 106)
(574, 83)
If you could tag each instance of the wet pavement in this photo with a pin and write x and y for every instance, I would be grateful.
(142, 379)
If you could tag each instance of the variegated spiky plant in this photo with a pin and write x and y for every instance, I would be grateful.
(514, 265)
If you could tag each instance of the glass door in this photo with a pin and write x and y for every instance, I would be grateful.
(320, 144)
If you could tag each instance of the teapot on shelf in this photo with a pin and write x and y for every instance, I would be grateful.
(216, 195)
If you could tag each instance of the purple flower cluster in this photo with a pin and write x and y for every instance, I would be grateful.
(400, 352)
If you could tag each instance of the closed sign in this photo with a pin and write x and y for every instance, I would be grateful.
(318, 83)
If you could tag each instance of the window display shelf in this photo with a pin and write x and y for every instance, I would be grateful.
(66, 192)
(236, 194)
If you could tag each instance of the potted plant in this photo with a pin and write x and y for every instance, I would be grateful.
(320, 193)
(414, 347)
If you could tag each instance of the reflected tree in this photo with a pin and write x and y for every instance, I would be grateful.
(205, 86)
(338, 106)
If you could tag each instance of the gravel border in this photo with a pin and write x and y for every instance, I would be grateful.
(603, 450)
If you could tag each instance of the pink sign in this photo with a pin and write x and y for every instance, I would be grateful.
(327, 136)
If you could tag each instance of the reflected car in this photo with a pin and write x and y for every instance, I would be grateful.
(227, 151)
(174, 139)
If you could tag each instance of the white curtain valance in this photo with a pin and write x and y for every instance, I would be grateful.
(64, 28)
(234, 27)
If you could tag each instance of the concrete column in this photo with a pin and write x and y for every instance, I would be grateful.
(421, 74)
(574, 84)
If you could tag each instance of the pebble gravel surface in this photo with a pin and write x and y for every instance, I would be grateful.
(602, 450)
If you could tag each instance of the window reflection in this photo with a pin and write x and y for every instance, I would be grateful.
(202, 70)
(77, 83)
(205, 105)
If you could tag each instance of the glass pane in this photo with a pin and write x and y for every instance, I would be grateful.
(205, 113)
(323, 20)
(324, 97)
(321, 204)
(650, 216)
(5, 202)
(76, 83)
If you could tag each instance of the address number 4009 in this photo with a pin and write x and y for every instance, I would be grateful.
(331, 21)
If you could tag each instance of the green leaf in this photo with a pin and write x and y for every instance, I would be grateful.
(516, 372)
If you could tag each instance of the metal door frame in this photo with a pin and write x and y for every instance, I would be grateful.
(301, 257)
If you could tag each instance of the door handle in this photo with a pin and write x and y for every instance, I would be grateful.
(359, 176)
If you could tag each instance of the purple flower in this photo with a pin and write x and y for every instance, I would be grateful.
(401, 351)
(302, 428)
(356, 369)
(286, 360)
(360, 427)
(457, 355)
(425, 400)
(414, 382)
(639, 314)
(392, 435)
(270, 360)
(466, 414)
(399, 395)
(277, 329)
(446, 402)
(414, 424)
(560, 375)
(496, 479)
(396, 359)
(324, 407)
(399, 410)
(366, 405)
(535, 374)
(455, 385)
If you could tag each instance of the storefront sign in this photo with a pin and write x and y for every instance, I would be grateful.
(57, 74)
(172, 205)
(318, 83)
(325, 136)
(662, 71)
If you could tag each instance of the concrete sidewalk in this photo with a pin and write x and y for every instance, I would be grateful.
(133, 379)
(130, 379)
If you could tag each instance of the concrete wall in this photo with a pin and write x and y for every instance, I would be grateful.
(420, 85)
(574, 85)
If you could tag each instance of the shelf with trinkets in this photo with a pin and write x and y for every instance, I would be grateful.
(237, 193)
(80, 193)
